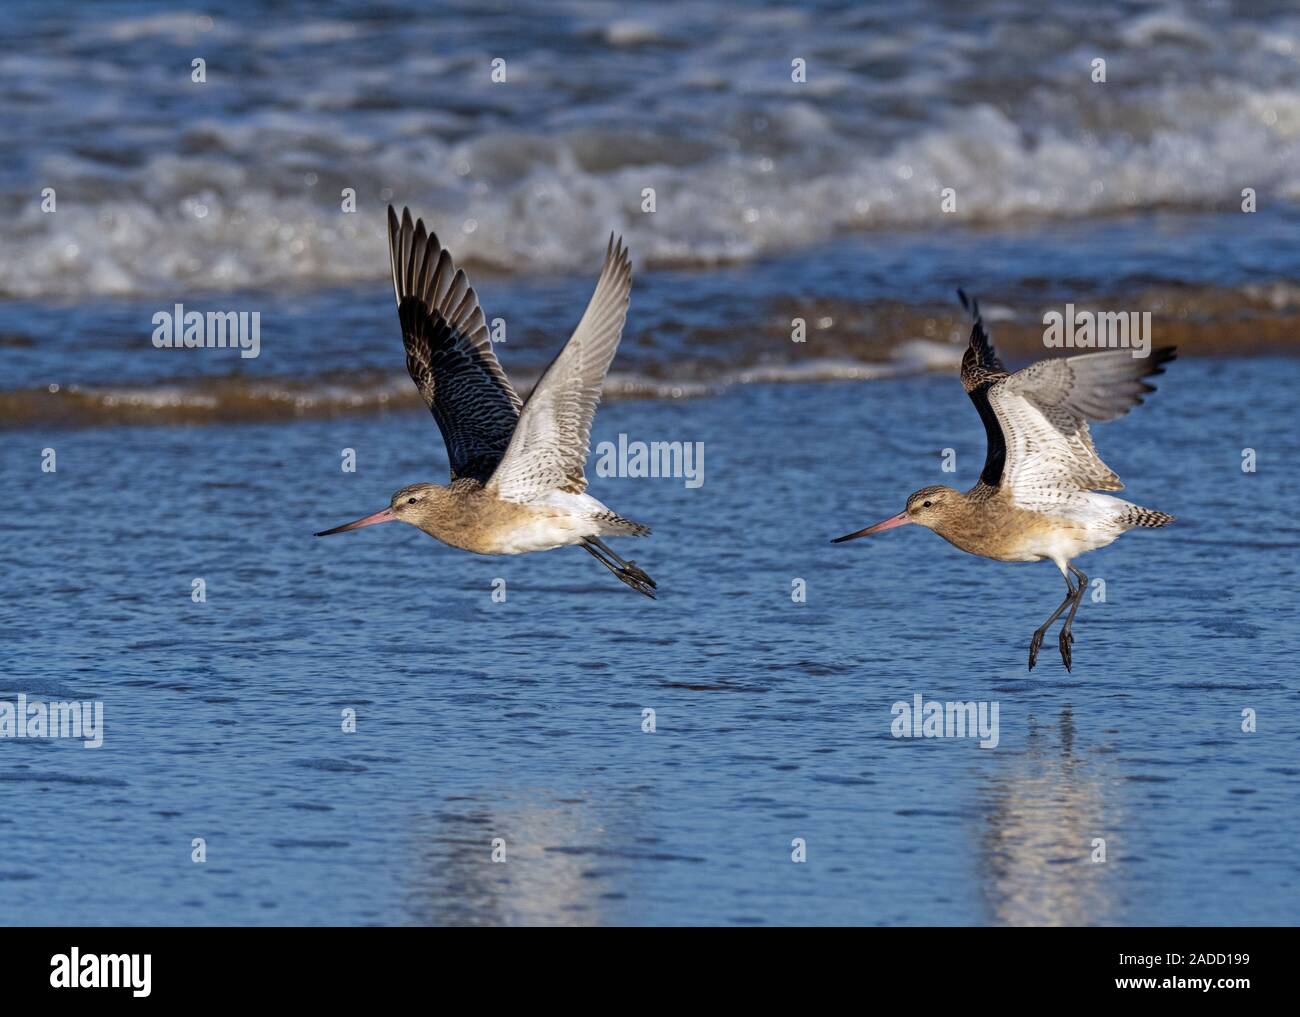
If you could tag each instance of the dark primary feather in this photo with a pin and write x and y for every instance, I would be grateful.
(448, 351)
(980, 369)
(980, 363)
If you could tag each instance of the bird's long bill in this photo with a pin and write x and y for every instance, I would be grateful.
(885, 524)
(382, 516)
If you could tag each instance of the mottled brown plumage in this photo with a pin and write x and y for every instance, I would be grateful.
(1035, 497)
(517, 470)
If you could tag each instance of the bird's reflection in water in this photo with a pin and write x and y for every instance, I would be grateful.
(1037, 847)
(555, 870)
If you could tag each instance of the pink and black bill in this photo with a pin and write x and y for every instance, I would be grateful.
(885, 524)
(382, 516)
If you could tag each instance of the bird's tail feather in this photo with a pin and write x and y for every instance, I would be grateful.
(1136, 515)
(614, 525)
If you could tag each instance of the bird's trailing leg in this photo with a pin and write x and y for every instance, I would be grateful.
(626, 571)
(1067, 636)
(1041, 631)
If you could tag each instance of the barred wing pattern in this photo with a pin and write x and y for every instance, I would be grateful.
(1044, 411)
(448, 351)
(550, 445)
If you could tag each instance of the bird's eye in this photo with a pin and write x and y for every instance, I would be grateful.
(410, 501)
(926, 504)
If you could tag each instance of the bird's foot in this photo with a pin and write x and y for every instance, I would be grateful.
(637, 579)
(630, 567)
(1067, 638)
(1034, 646)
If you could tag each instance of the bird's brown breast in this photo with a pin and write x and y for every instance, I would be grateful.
(473, 519)
(987, 523)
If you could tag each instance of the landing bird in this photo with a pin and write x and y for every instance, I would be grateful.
(517, 469)
(1035, 498)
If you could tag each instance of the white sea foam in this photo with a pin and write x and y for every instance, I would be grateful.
(166, 184)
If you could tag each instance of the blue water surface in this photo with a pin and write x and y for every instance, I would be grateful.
(521, 722)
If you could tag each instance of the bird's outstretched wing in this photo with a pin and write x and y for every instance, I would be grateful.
(980, 369)
(1043, 412)
(448, 351)
(549, 449)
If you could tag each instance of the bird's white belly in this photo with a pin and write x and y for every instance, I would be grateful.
(541, 534)
(1073, 526)
(1067, 540)
(1067, 544)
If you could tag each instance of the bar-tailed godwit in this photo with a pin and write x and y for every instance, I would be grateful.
(1036, 497)
(517, 469)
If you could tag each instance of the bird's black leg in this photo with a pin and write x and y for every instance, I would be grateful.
(1041, 631)
(591, 550)
(630, 567)
(1067, 637)
(622, 572)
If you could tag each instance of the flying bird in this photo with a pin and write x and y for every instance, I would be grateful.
(517, 468)
(1036, 497)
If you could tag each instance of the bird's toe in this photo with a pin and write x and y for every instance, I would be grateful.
(639, 575)
(1067, 638)
(1034, 646)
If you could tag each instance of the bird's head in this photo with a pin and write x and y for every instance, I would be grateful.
(412, 505)
(929, 507)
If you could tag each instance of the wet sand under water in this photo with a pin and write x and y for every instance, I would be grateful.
(870, 308)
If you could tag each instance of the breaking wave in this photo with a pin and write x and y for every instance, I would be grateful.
(163, 184)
